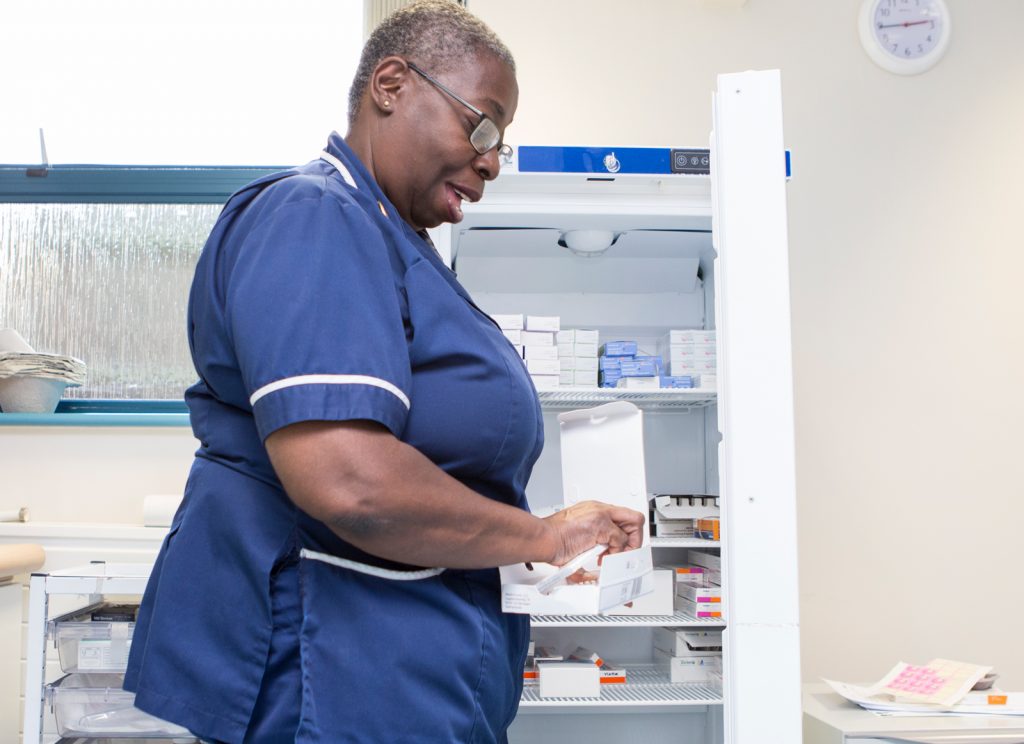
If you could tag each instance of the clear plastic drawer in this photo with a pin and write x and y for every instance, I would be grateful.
(95, 706)
(85, 644)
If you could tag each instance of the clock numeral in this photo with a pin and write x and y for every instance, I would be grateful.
(884, 12)
(906, 52)
(920, 49)
(929, 38)
(895, 47)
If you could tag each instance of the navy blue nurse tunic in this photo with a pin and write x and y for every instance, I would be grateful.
(314, 301)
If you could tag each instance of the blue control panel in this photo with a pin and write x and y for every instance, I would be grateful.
(610, 161)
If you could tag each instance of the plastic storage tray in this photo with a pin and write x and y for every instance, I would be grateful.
(94, 705)
(86, 645)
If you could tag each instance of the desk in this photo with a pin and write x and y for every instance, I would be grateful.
(831, 719)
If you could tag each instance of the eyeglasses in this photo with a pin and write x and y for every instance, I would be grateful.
(485, 136)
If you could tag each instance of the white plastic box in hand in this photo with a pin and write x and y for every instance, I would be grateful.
(94, 705)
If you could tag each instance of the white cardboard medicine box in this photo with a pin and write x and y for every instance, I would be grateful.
(602, 460)
(569, 679)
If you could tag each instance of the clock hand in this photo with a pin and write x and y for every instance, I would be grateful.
(904, 25)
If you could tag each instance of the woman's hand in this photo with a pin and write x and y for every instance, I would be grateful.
(589, 523)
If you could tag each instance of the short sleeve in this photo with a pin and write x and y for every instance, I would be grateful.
(315, 317)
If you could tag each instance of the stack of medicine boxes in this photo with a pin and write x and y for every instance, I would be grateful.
(691, 353)
(577, 352)
(534, 339)
(623, 367)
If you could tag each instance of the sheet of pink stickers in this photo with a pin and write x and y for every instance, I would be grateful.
(939, 682)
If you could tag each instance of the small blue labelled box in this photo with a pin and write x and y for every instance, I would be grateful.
(639, 368)
(619, 349)
(679, 381)
(609, 364)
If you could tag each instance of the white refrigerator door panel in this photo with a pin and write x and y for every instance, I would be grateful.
(756, 457)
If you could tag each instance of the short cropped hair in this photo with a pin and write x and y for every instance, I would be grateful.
(437, 35)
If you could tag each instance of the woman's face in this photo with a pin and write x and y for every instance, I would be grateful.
(431, 167)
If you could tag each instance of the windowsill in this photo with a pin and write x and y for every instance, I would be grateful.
(88, 412)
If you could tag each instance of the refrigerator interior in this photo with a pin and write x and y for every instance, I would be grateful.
(657, 275)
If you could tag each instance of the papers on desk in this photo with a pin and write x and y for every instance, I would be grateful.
(982, 702)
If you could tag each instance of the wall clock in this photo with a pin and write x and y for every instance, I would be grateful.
(905, 36)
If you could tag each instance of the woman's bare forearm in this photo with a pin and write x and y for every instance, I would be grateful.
(388, 499)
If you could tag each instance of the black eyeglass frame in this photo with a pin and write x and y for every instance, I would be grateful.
(485, 136)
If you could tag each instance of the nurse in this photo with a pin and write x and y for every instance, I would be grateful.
(366, 435)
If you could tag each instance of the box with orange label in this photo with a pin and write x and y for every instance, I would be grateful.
(700, 594)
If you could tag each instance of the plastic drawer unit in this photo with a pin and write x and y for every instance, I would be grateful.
(94, 639)
(94, 705)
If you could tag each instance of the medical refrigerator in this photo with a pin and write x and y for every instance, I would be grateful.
(621, 241)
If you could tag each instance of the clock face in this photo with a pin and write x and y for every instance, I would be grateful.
(908, 29)
(905, 36)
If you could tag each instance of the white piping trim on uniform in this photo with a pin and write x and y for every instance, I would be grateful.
(340, 166)
(380, 573)
(288, 382)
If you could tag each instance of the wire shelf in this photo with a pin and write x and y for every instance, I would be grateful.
(646, 685)
(674, 399)
(677, 619)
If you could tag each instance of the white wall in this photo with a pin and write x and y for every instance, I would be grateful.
(908, 344)
(905, 249)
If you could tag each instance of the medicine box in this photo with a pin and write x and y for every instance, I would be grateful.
(509, 322)
(584, 349)
(678, 382)
(688, 643)
(659, 602)
(675, 528)
(706, 381)
(692, 366)
(699, 594)
(611, 675)
(566, 377)
(619, 349)
(585, 363)
(602, 459)
(638, 383)
(704, 558)
(565, 350)
(87, 645)
(545, 382)
(93, 705)
(515, 337)
(550, 323)
(569, 679)
(540, 352)
(568, 362)
(696, 575)
(638, 368)
(708, 528)
(689, 669)
(537, 338)
(542, 366)
(709, 610)
(607, 363)
(696, 336)
(585, 378)
(577, 336)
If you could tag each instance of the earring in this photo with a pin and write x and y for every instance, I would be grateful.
(387, 102)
